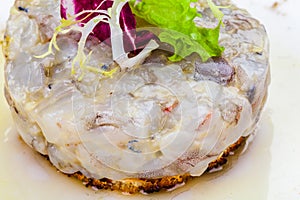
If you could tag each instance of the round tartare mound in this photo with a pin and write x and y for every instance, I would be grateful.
(142, 128)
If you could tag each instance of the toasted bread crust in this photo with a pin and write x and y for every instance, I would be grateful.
(133, 185)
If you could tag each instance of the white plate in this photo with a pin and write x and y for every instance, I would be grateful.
(268, 170)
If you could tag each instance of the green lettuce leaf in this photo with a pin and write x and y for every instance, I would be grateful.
(176, 20)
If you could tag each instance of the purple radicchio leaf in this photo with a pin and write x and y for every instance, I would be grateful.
(132, 41)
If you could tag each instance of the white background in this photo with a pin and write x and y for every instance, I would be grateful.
(268, 170)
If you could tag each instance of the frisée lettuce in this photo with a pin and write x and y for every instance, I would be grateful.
(114, 22)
